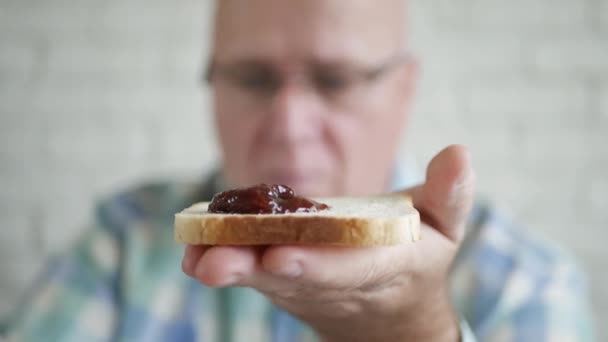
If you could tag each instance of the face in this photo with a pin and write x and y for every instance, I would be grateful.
(310, 93)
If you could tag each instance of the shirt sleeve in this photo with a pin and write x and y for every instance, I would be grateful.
(75, 299)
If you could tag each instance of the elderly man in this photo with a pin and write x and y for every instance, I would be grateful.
(313, 94)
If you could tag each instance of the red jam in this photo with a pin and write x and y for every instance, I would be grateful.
(263, 199)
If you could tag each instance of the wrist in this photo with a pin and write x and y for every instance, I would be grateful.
(432, 319)
(436, 320)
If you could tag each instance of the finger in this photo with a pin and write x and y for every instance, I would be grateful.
(284, 268)
(334, 267)
(223, 266)
(445, 200)
(191, 256)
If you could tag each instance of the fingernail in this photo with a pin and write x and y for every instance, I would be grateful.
(467, 174)
(292, 270)
(462, 182)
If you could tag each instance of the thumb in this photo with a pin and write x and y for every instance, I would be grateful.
(446, 198)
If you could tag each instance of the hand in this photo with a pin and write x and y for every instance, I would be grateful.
(389, 293)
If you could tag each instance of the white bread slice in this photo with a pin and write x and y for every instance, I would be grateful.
(350, 221)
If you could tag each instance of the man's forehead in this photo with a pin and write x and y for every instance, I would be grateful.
(308, 29)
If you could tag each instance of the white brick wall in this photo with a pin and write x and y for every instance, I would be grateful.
(90, 92)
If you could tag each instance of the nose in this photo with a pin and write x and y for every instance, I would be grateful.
(294, 115)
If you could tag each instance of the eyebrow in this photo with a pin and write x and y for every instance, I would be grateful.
(338, 63)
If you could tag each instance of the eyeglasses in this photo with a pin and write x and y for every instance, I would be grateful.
(341, 83)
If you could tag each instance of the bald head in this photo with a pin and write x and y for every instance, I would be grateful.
(310, 93)
(333, 29)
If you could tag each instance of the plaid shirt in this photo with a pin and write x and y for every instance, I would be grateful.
(123, 282)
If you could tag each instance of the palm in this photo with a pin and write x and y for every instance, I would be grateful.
(351, 293)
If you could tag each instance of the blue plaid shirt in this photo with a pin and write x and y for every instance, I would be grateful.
(122, 281)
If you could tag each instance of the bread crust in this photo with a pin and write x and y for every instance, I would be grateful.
(219, 229)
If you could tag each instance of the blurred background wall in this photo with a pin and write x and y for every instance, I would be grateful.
(97, 95)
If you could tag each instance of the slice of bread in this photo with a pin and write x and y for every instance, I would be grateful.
(350, 221)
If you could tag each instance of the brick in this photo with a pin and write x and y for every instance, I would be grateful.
(421, 16)
(602, 14)
(467, 57)
(18, 61)
(94, 60)
(64, 15)
(578, 56)
(17, 240)
(532, 17)
(132, 14)
(450, 14)
(17, 277)
(78, 62)
(69, 214)
(45, 16)
(96, 146)
(437, 101)
(17, 233)
(603, 104)
(20, 158)
(127, 103)
(598, 140)
(524, 103)
(568, 146)
(595, 199)
(175, 146)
